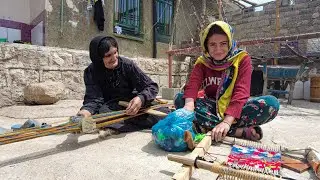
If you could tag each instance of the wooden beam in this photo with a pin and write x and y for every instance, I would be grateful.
(276, 45)
(248, 2)
(241, 6)
(186, 172)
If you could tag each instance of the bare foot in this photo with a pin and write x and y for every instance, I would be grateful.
(254, 135)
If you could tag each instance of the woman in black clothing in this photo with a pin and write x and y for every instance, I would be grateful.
(111, 78)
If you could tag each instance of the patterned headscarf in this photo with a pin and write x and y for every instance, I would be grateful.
(233, 50)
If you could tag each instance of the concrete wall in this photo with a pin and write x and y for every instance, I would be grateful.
(77, 27)
(22, 64)
(37, 24)
(15, 10)
(36, 8)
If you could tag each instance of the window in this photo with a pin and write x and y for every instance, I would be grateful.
(164, 13)
(127, 17)
(258, 8)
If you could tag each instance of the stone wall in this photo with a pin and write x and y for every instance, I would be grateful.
(21, 65)
(299, 18)
(302, 17)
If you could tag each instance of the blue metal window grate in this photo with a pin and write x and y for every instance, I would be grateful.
(127, 14)
(164, 12)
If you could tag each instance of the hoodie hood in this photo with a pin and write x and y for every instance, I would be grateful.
(229, 32)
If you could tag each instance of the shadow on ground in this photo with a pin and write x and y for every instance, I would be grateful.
(70, 144)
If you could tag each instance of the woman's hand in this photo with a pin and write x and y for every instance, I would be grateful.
(84, 113)
(221, 130)
(134, 106)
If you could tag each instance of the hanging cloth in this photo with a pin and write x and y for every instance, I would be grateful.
(99, 15)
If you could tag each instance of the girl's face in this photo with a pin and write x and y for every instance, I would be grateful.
(110, 58)
(218, 46)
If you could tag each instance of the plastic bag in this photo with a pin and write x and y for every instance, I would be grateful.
(169, 132)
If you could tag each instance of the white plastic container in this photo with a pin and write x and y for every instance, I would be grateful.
(306, 90)
(298, 90)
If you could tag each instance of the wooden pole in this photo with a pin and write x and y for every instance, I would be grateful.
(220, 10)
(186, 172)
(204, 7)
(148, 111)
(170, 70)
(276, 45)
(171, 43)
(251, 3)
(251, 42)
(45, 132)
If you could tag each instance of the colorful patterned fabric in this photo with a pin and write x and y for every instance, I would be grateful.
(256, 111)
(255, 159)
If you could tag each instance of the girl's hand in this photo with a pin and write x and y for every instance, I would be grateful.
(189, 104)
(221, 130)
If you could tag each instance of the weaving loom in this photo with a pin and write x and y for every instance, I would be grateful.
(255, 159)
(78, 124)
(247, 160)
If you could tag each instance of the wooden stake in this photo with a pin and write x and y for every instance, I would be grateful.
(186, 172)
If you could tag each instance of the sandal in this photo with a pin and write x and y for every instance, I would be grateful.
(247, 134)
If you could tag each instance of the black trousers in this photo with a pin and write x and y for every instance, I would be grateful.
(145, 121)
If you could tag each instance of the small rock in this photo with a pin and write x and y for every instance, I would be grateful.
(44, 93)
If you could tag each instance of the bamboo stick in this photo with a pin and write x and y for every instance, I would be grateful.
(97, 118)
(52, 129)
(23, 137)
(148, 110)
(100, 120)
(37, 136)
(117, 120)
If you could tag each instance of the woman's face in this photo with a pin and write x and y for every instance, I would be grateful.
(110, 58)
(218, 46)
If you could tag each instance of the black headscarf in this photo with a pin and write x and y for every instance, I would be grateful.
(97, 48)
